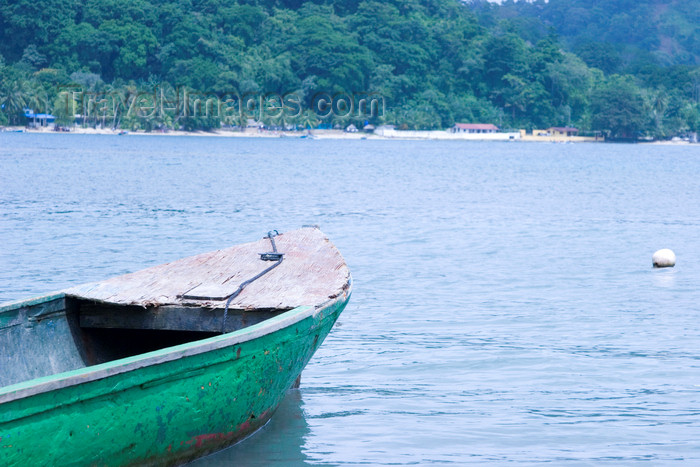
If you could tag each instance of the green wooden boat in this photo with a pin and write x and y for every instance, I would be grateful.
(166, 364)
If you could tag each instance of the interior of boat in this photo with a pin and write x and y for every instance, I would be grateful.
(61, 333)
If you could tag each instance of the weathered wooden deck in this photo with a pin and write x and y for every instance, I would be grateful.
(312, 272)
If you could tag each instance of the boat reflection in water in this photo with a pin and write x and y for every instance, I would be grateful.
(280, 441)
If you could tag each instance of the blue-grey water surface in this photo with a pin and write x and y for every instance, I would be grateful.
(504, 310)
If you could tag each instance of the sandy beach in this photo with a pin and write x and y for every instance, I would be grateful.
(325, 134)
(225, 133)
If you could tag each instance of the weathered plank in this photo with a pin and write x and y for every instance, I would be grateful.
(32, 312)
(36, 342)
(312, 272)
(169, 318)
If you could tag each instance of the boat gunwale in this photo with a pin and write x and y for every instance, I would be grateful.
(21, 303)
(124, 365)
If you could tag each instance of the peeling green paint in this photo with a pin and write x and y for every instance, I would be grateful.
(163, 413)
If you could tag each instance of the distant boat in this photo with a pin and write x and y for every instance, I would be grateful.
(123, 132)
(169, 363)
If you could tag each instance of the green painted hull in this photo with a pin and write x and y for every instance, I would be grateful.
(163, 407)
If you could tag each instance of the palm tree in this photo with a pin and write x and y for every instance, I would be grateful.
(309, 119)
(235, 119)
(274, 113)
(63, 109)
(37, 99)
(13, 100)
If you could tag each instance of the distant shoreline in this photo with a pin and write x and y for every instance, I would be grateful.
(313, 134)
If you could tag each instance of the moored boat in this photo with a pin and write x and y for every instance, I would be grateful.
(166, 364)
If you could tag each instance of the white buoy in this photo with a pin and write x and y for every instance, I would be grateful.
(664, 259)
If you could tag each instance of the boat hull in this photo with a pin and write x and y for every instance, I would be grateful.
(164, 407)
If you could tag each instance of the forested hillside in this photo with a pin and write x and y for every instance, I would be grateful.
(613, 35)
(627, 68)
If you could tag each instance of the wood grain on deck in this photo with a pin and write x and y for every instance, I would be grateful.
(312, 272)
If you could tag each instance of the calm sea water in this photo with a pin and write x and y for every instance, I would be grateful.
(504, 308)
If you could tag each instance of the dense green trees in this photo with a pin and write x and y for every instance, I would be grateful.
(627, 68)
(618, 108)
